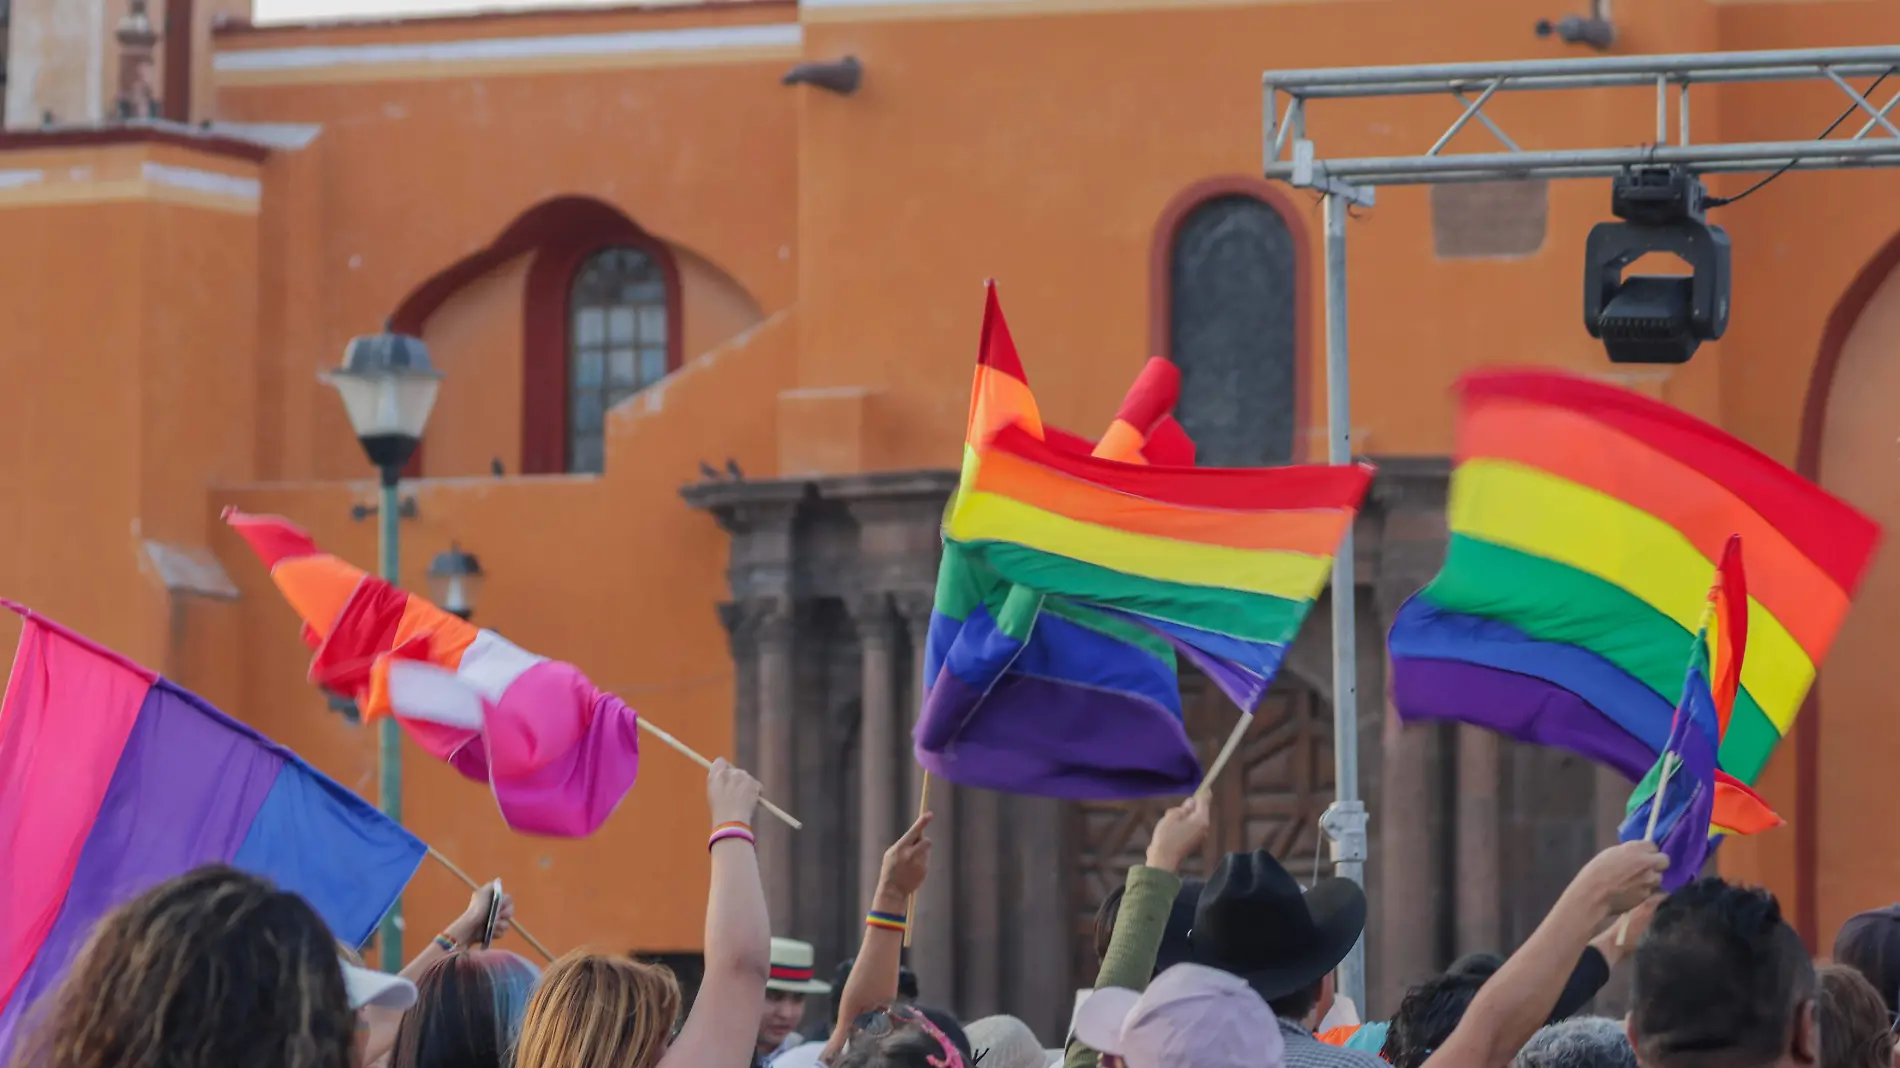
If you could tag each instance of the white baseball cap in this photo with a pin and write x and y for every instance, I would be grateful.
(379, 990)
(1191, 1017)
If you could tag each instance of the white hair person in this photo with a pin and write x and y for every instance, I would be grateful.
(1579, 1042)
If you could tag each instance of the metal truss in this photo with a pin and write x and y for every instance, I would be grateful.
(1292, 157)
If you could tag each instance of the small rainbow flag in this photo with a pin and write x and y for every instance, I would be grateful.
(1585, 520)
(1684, 800)
(1074, 573)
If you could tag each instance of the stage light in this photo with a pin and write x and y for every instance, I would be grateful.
(1656, 318)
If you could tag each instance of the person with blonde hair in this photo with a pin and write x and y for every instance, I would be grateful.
(600, 1010)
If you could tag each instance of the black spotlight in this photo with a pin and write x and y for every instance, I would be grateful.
(1650, 318)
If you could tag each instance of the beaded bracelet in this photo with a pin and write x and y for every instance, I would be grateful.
(885, 921)
(447, 943)
(733, 829)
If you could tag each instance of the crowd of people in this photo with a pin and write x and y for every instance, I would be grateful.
(218, 969)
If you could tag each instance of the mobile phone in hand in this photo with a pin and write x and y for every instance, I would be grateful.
(494, 915)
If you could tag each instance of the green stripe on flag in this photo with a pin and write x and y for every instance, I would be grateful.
(1552, 602)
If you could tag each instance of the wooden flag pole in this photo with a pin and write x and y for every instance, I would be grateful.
(1649, 833)
(473, 885)
(1226, 752)
(693, 755)
(910, 906)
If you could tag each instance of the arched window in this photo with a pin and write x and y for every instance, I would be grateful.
(1232, 325)
(617, 344)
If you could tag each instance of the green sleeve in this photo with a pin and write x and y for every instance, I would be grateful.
(1136, 942)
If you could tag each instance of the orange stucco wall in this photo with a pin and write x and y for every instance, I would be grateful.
(830, 251)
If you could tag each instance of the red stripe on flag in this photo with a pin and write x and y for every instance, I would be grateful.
(1729, 596)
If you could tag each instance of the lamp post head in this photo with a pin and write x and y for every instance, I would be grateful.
(455, 581)
(388, 387)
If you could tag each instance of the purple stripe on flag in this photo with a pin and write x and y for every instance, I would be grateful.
(1055, 739)
(195, 776)
(1516, 706)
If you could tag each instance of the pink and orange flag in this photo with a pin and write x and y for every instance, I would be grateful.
(557, 751)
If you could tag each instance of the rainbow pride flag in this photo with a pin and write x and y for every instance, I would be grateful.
(114, 779)
(1585, 521)
(1074, 574)
(557, 752)
(1684, 800)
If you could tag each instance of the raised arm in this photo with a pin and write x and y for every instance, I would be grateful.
(466, 929)
(874, 974)
(723, 1028)
(1515, 1002)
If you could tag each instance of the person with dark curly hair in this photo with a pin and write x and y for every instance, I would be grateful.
(213, 969)
(1427, 1017)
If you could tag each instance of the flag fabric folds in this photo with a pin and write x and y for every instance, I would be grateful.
(114, 779)
(557, 752)
(1074, 574)
(1681, 802)
(1584, 522)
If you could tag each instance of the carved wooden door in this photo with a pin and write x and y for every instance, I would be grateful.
(1269, 797)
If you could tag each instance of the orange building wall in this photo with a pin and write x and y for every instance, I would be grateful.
(830, 252)
(130, 338)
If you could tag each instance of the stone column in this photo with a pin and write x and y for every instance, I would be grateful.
(775, 625)
(980, 885)
(1408, 500)
(880, 809)
(934, 923)
(741, 635)
(1480, 879)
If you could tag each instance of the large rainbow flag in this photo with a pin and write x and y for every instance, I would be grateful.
(114, 779)
(1586, 521)
(557, 752)
(1073, 574)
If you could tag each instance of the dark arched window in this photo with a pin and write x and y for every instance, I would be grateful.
(617, 344)
(1233, 329)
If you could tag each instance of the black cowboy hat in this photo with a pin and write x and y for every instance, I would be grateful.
(1253, 920)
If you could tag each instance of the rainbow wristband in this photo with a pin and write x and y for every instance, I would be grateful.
(447, 943)
(885, 921)
(734, 829)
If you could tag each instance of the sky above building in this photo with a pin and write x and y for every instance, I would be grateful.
(322, 10)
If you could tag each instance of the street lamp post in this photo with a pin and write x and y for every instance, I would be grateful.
(455, 581)
(388, 388)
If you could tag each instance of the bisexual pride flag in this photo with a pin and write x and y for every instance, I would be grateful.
(1585, 520)
(114, 779)
(1073, 575)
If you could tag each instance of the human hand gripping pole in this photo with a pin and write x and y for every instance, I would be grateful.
(693, 755)
(1649, 834)
(1180, 832)
(722, 1027)
(873, 979)
(480, 892)
(910, 903)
